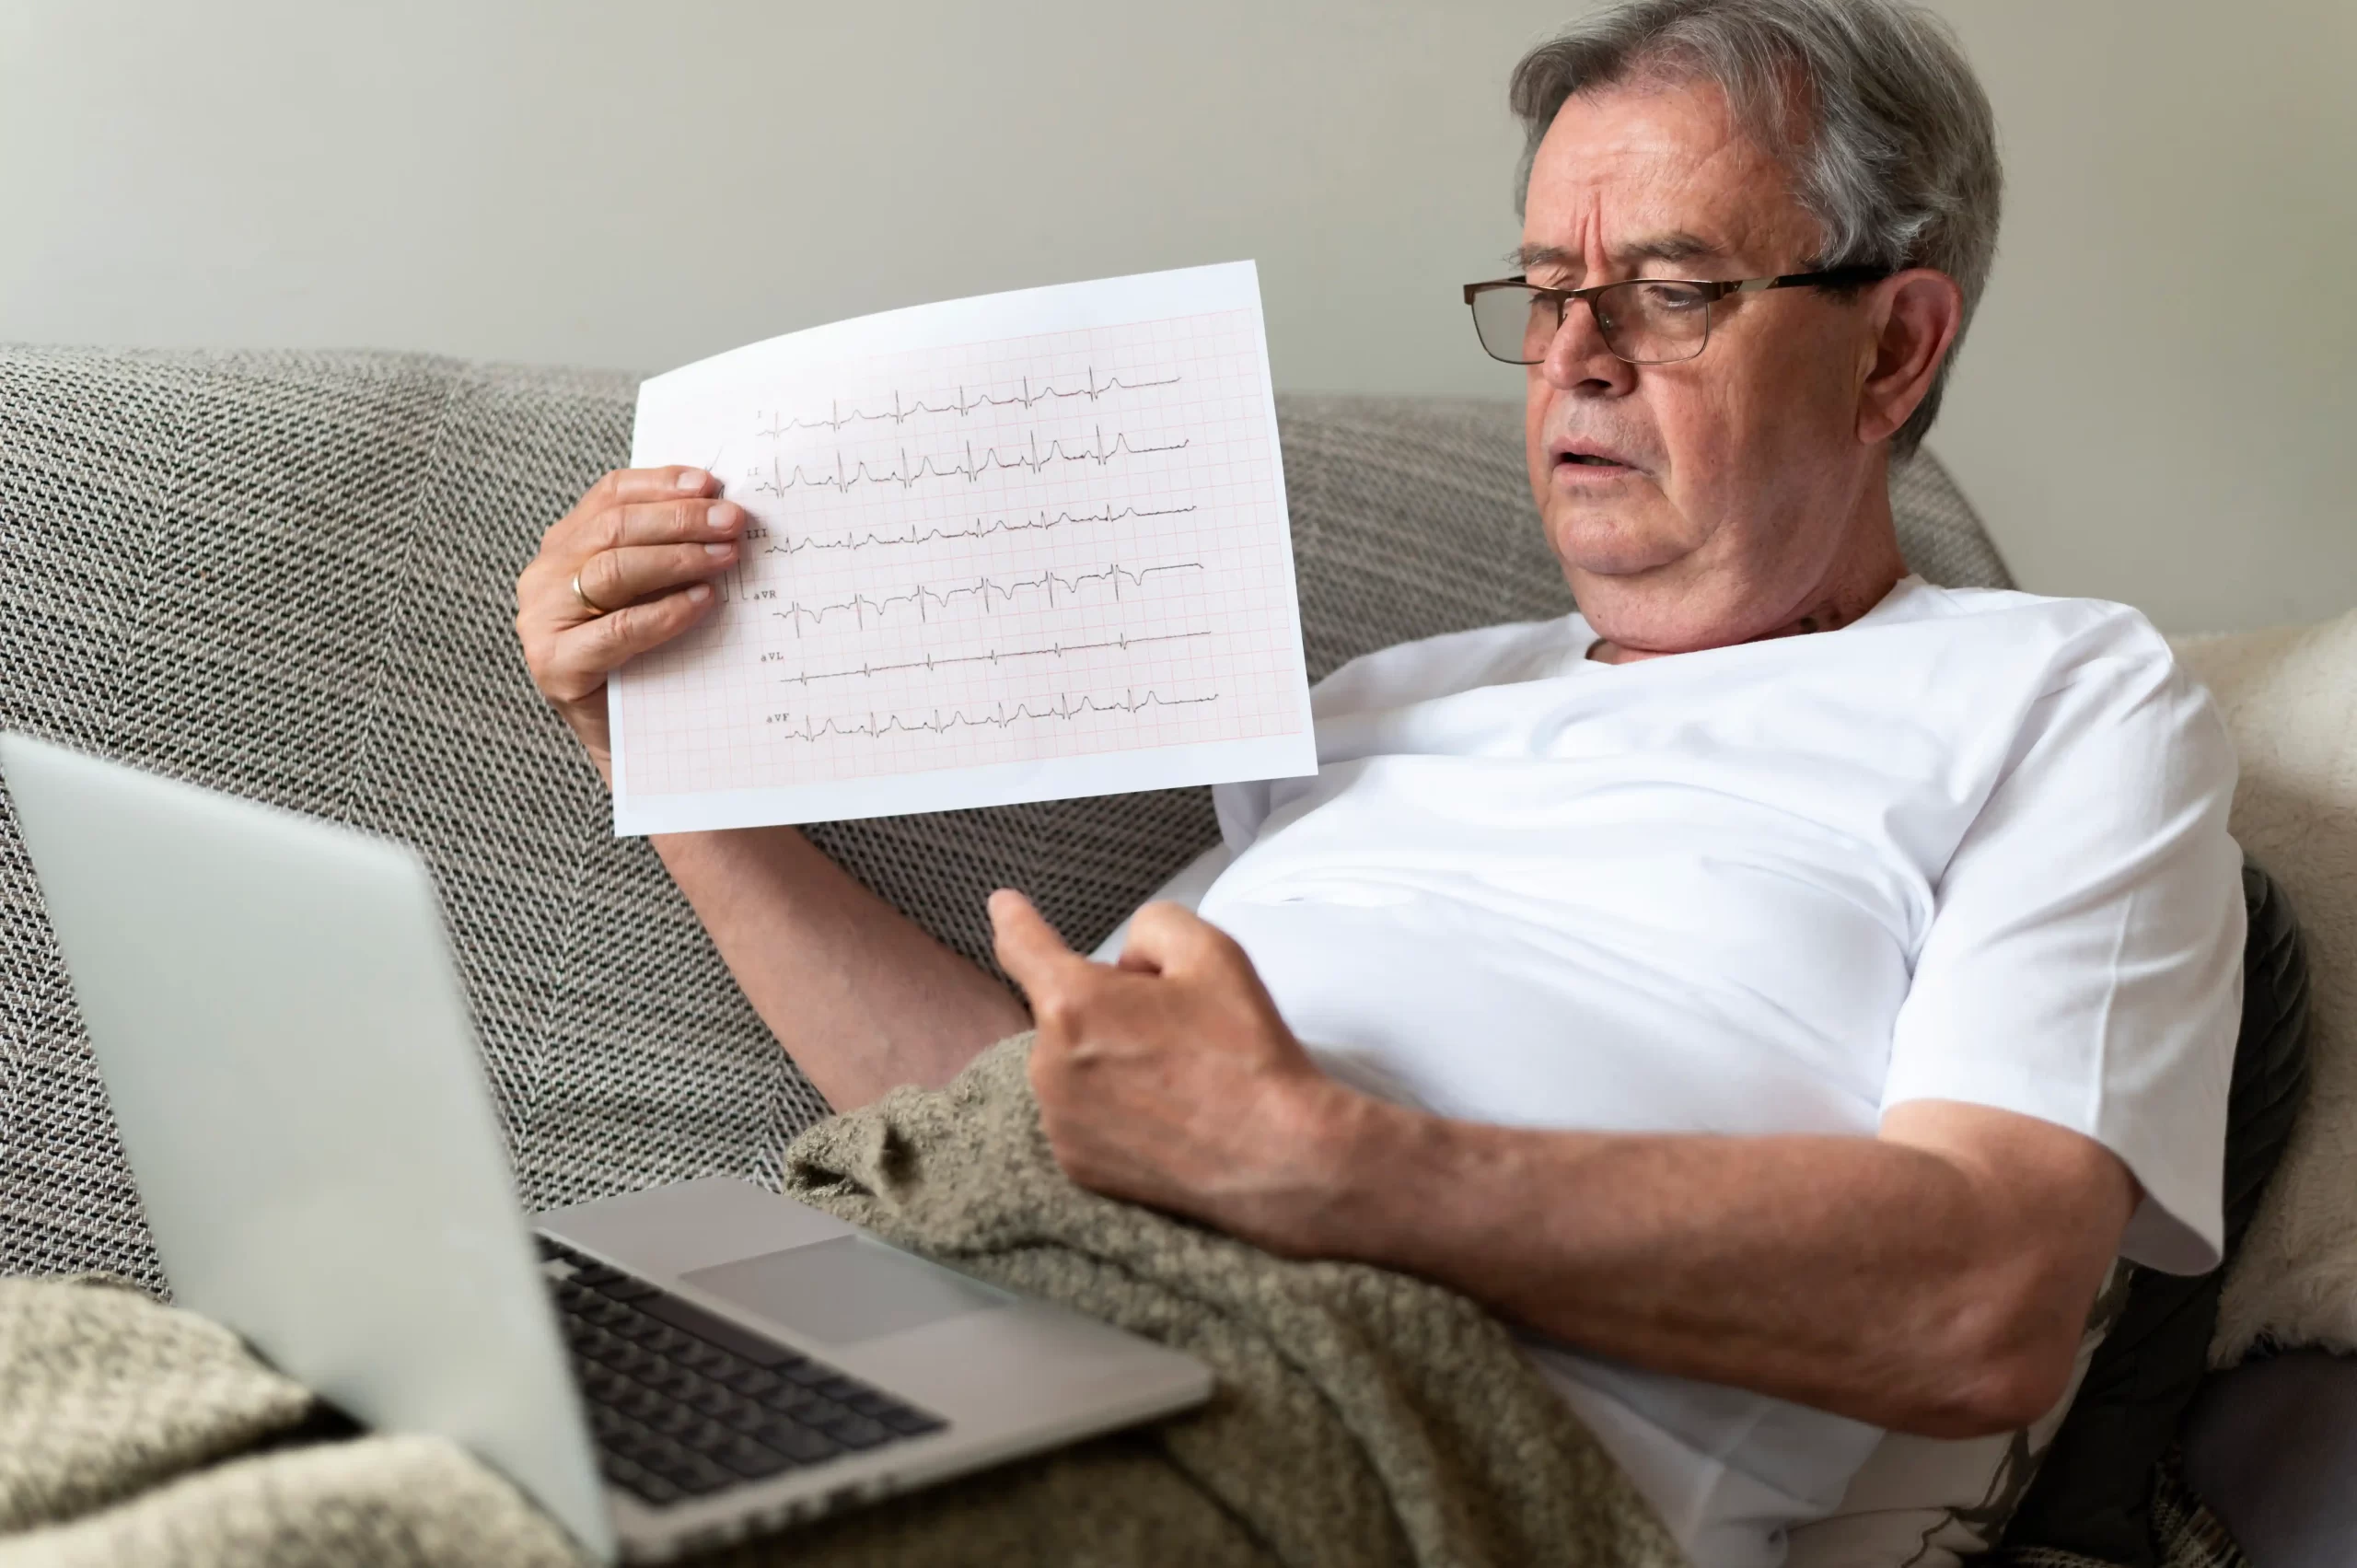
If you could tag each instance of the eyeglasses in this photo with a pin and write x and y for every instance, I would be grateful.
(1645, 320)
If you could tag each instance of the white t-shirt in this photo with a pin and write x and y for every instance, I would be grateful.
(1971, 847)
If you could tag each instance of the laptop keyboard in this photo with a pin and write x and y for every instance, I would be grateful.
(683, 1404)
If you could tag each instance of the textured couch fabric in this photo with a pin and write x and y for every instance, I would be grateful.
(290, 576)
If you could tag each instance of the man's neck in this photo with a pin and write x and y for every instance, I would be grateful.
(1846, 600)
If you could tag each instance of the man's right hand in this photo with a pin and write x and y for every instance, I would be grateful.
(640, 546)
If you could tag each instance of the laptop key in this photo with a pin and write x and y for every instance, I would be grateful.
(857, 1431)
(786, 1397)
(632, 1325)
(669, 1377)
(803, 1370)
(753, 1460)
(744, 1415)
(630, 1440)
(751, 1380)
(711, 1361)
(702, 1476)
(632, 1362)
(653, 1489)
(593, 1344)
(673, 1420)
(798, 1443)
(692, 1320)
(707, 1436)
(603, 1384)
(821, 1413)
(607, 1314)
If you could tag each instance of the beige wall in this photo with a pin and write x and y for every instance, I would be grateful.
(640, 184)
(2159, 400)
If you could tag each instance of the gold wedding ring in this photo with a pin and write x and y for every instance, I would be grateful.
(591, 605)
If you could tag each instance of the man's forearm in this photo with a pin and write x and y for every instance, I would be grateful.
(1854, 1274)
(858, 994)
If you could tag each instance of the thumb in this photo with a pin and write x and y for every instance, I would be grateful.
(1028, 948)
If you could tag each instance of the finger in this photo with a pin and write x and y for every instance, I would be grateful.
(689, 518)
(668, 483)
(581, 658)
(1166, 937)
(694, 517)
(591, 525)
(1028, 948)
(613, 578)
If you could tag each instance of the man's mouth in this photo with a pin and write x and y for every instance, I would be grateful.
(1583, 453)
(1596, 464)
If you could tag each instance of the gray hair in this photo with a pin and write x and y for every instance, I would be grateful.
(1869, 103)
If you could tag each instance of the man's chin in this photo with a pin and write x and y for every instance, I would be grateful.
(1595, 543)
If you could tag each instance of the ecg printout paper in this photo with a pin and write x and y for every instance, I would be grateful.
(1020, 547)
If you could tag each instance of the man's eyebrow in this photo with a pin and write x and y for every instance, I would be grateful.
(1676, 245)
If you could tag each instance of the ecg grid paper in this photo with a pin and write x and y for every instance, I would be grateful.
(1022, 547)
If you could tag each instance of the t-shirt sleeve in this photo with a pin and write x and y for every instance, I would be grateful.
(2083, 962)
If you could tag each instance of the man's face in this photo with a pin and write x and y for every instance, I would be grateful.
(1702, 501)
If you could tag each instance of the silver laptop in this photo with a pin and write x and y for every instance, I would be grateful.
(296, 1081)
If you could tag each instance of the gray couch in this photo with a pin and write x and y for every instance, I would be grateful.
(290, 576)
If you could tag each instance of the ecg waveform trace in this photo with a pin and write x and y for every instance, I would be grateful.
(1023, 547)
(1001, 717)
(962, 405)
(862, 605)
(980, 529)
(846, 476)
(990, 656)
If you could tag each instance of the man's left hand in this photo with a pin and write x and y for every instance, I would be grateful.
(1169, 1079)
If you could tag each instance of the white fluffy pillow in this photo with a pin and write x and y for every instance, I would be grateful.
(2290, 697)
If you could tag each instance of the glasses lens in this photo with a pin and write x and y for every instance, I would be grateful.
(1651, 322)
(1515, 324)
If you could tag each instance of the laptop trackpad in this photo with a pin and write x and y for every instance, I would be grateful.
(847, 1290)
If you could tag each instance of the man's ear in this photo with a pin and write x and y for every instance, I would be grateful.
(1915, 316)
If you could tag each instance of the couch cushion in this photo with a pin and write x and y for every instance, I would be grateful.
(2290, 699)
(290, 576)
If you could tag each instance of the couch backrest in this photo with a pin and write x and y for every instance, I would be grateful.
(290, 576)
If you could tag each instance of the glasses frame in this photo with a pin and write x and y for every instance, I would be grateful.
(1713, 290)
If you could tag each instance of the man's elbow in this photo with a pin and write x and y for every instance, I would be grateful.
(2000, 1398)
(1991, 1332)
(2000, 1374)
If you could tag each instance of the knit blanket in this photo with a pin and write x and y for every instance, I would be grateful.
(1362, 1417)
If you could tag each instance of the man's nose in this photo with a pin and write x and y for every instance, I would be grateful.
(1578, 359)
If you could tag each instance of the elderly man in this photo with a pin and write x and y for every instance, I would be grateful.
(1782, 987)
